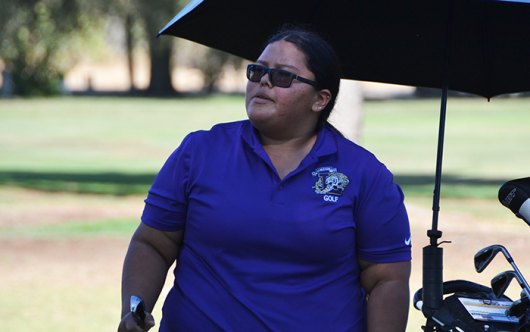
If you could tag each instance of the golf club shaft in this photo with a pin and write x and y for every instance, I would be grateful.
(520, 278)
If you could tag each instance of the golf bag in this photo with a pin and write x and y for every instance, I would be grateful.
(457, 313)
(465, 306)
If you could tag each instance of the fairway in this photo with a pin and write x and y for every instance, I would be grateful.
(74, 172)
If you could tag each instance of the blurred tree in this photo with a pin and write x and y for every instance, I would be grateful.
(210, 62)
(39, 41)
(129, 47)
(212, 65)
(128, 12)
(155, 14)
(348, 114)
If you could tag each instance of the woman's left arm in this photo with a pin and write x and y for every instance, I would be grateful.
(387, 285)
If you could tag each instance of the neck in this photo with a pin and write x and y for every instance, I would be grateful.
(289, 144)
(287, 154)
(293, 137)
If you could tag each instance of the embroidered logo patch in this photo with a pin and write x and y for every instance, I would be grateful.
(330, 183)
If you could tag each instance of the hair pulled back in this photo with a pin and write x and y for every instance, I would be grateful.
(321, 60)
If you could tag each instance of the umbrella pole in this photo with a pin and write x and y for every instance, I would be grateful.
(433, 254)
(434, 234)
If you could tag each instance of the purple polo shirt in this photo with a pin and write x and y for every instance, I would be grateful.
(264, 254)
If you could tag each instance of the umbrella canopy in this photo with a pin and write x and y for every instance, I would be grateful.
(474, 46)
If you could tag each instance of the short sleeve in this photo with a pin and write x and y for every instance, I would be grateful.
(167, 200)
(382, 221)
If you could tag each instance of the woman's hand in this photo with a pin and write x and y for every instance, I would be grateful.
(150, 255)
(129, 324)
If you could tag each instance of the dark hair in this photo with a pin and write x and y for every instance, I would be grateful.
(321, 60)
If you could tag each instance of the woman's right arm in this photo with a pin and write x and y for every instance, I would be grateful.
(151, 253)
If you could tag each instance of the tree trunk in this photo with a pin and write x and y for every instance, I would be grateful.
(160, 51)
(129, 47)
(156, 13)
(348, 114)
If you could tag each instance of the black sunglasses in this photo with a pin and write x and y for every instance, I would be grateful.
(277, 77)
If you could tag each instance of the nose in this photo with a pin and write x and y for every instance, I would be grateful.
(265, 80)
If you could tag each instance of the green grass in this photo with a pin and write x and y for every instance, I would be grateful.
(60, 308)
(482, 139)
(485, 143)
(99, 145)
(116, 146)
(102, 134)
(111, 149)
(72, 229)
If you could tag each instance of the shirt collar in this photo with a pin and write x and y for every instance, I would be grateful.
(326, 143)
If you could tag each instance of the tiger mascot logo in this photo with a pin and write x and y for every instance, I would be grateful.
(329, 181)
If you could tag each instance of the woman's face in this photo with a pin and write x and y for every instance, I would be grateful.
(284, 111)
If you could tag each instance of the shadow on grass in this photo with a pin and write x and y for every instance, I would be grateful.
(454, 186)
(106, 183)
(113, 183)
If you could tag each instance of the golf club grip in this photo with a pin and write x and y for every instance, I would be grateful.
(432, 279)
(138, 310)
(515, 195)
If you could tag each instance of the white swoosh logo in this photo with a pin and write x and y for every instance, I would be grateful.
(408, 241)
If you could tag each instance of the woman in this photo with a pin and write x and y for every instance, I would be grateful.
(277, 223)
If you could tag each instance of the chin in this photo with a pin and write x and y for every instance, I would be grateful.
(259, 120)
(260, 113)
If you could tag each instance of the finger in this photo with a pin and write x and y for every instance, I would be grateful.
(149, 321)
(125, 325)
(131, 325)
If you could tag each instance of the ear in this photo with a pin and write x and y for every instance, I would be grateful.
(322, 99)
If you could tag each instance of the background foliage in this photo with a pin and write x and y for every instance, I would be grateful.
(40, 40)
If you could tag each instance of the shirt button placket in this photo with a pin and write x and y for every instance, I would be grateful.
(279, 194)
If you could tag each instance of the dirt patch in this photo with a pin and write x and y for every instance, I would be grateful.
(90, 256)
(23, 207)
(97, 261)
(81, 261)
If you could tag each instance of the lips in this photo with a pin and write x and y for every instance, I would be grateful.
(261, 97)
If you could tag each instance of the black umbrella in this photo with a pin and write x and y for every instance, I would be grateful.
(474, 46)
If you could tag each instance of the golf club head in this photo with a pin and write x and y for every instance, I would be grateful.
(501, 281)
(519, 307)
(138, 310)
(484, 256)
